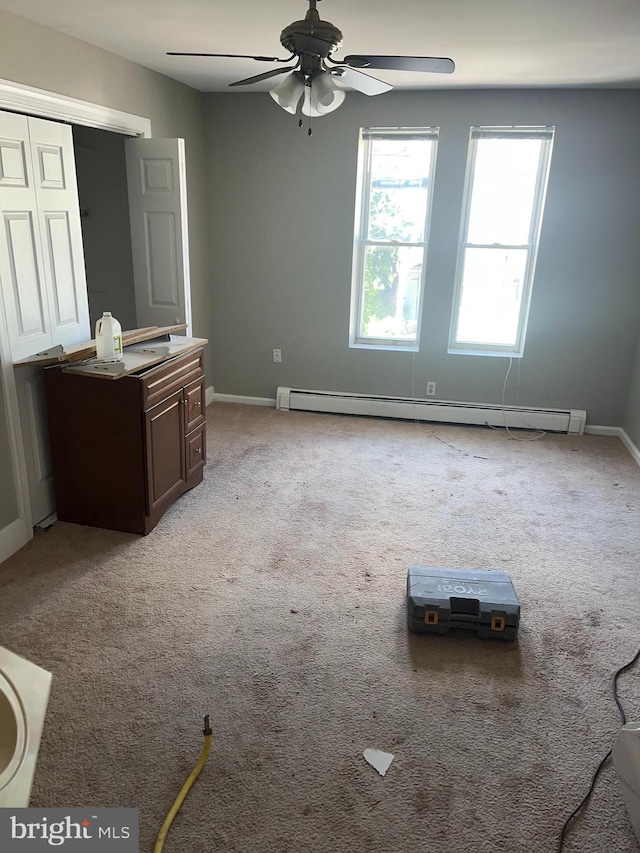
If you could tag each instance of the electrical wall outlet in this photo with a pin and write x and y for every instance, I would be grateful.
(431, 389)
(277, 357)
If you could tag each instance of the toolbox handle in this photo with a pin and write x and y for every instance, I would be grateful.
(465, 608)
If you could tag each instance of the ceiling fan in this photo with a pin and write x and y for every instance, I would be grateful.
(317, 76)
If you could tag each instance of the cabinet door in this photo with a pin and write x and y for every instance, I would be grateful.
(196, 455)
(165, 451)
(194, 405)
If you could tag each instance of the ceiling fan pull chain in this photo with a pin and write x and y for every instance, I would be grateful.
(300, 121)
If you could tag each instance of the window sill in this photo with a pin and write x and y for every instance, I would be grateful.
(386, 347)
(490, 353)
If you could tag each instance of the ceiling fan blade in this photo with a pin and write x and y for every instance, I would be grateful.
(364, 83)
(265, 76)
(233, 56)
(311, 44)
(437, 64)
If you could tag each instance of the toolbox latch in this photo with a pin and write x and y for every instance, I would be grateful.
(430, 617)
(498, 623)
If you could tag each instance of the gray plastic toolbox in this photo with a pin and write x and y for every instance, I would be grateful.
(481, 601)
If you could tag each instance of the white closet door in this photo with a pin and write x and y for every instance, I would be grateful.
(35, 438)
(24, 286)
(159, 240)
(42, 273)
(54, 171)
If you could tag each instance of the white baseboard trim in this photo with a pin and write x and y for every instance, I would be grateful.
(249, 401)
(595, 429)
(631, 447)
(618, 432)
(208, 395)
(13, 537)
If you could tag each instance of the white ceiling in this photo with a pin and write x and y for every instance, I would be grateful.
(493, 42)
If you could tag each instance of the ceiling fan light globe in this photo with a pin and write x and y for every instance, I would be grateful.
(288, 93)
(331, 102)
(323, 96)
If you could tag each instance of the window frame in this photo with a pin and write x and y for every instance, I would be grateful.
(361, 241)
(546, 133)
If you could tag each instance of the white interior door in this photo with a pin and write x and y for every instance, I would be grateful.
(159, 237)
(42, 275)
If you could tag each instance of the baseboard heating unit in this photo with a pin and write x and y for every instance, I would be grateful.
(442, 411)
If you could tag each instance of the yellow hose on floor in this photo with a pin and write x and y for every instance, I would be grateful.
(175, 808)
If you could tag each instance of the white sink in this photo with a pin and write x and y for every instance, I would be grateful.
(12, 732)
(24, 693)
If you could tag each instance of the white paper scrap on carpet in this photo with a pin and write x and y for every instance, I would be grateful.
(378, 759)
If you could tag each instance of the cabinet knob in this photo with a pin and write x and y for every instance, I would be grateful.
(197, 450)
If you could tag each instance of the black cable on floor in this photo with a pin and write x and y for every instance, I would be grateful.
(594, 778)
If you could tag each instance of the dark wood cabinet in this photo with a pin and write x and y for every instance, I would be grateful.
(124, 449)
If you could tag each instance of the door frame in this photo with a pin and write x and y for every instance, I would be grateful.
(17, 97)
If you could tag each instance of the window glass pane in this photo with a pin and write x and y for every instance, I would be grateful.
(392, 281)
(504, 184)
(491, 295)
(399, 189)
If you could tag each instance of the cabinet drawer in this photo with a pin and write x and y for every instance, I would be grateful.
(196, 454)
(168, 377)
(194, 405)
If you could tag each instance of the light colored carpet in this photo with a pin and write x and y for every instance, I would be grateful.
(272, 597)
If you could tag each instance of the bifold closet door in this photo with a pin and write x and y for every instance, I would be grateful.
(42, 273)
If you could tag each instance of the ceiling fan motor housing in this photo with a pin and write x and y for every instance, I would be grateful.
(315, 28)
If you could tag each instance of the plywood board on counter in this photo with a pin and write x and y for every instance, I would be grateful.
(87, 349)
(139, 356)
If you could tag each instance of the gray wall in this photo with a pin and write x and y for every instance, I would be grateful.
(40, 57)
(282, 209)
(106, 235)
(631, 421)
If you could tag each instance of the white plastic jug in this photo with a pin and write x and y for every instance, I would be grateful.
(108, 337)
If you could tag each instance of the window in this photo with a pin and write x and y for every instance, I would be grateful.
(502, 212)
(395, 177)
